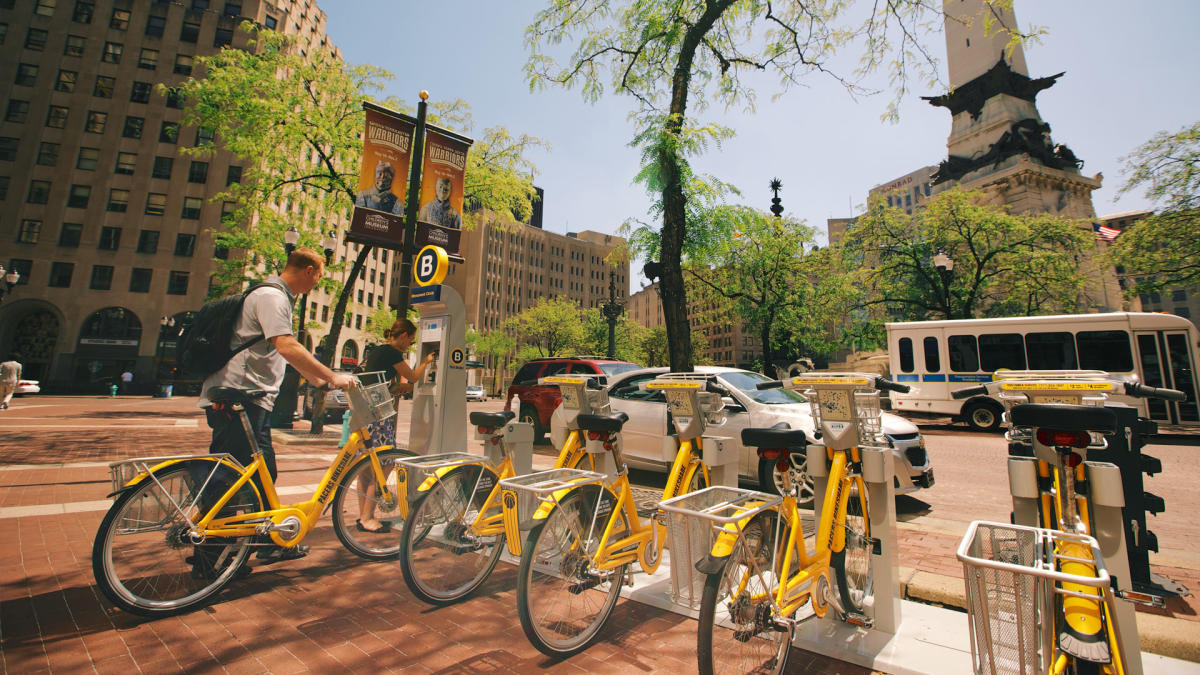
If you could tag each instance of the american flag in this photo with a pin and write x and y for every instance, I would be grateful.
(1105, 233)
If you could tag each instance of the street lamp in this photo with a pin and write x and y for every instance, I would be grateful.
(945, 267)
(10, 280)
(776, 202)
(290, 238)
(612, 312)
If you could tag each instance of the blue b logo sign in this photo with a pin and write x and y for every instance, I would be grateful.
(431, 266)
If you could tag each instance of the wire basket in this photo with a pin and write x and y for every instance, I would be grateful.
(867, 416)
(533, 489)
(694, 521)
(370, 400)
(1002, 601)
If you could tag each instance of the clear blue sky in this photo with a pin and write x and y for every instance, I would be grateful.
(1126, 79)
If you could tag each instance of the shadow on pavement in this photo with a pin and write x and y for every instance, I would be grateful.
(910, 508)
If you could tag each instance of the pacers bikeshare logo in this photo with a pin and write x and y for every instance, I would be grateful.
(458, 356)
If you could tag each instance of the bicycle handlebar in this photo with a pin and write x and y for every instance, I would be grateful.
(884, 384)
(1143, 391)
(981, 390)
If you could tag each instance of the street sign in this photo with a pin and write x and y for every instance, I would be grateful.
(431, 266)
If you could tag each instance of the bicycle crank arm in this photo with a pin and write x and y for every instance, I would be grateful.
(289, 527)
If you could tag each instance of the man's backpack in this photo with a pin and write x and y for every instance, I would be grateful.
(203, 347)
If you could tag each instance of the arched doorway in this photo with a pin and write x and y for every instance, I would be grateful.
(32, 342)
(349, 355)
(108, 346)
(169, 330)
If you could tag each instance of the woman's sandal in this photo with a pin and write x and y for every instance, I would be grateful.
(383, 528)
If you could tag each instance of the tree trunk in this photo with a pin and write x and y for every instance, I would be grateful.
(768, 355)
(335, 331)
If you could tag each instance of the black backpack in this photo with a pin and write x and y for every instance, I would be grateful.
(204, 345)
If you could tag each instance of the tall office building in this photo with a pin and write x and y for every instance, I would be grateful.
(728, 340)
(109, 226)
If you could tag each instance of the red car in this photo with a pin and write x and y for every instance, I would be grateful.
(538, 402)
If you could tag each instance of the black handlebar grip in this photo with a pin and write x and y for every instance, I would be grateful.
(969, 392)
(770, 384)
(1142, 391)
(593, 383)
(885, 384)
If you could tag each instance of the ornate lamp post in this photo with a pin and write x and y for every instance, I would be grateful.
(776, 202)
(945, 267)
(10, 280)
(612, 312)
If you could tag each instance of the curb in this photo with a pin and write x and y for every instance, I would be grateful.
(1157, 634)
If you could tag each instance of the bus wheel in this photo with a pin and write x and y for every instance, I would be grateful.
(983, 415)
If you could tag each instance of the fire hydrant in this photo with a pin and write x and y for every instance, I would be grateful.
(112, 391)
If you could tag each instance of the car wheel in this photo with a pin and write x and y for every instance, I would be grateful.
(983, 415)
(771, 480)
(529, 416)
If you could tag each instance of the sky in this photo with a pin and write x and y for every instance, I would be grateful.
(1126, 78)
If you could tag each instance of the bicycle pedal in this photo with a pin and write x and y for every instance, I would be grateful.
(857, 619)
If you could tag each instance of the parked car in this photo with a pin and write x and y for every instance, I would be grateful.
(26, 387)
(336, 403)
(475, 393)
(748, 407)
(538, 402)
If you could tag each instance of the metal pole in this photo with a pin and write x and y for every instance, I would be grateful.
(410, 209)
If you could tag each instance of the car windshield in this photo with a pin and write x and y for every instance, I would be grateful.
(611, 369)
(745, 381)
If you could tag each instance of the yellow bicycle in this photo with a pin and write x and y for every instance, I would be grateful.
(182, 527)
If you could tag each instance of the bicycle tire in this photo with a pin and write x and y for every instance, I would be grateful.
(750, 644)
(141, 557)
(441, 561)
(352, 498)
(852, 565)
(555, 595)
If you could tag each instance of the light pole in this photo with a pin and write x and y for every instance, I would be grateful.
(10, 280)
(612, 312)
(776, 203)
(945, 267)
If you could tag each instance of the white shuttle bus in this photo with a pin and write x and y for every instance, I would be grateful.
(939, 357)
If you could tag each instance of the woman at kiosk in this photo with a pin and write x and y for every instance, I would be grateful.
(390, 357)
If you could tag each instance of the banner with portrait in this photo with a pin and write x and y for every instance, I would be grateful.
(379, 203)
(442, 174)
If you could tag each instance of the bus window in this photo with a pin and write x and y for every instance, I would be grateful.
(1002, 350)
(906, 355)
(1106, 350)
(1050, 351)
(933, 363)
(964, 353)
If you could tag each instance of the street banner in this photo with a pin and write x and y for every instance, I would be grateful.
(442, 180)
(379, 204)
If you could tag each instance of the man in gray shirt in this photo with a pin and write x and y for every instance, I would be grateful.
(267, 314)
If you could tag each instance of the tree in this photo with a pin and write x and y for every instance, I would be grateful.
(1003, 264)
(627, 335)
(652, 348)
(551, 327)
(497, 346)
(668, 54)
(1163, 250)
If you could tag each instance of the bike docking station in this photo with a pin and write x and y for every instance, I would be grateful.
(439, 398)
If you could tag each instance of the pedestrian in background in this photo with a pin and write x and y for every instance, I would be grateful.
(126, 382)
(10, 374)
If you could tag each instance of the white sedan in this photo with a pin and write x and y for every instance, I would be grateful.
(27, 387)
(475, 393)
(747, 407)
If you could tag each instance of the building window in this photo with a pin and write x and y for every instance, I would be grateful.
(96, 122)
(110, 238)
(175, 98)
(29, 231)
(191, 208)
(198, 172)
(101, 277)
(119, 20)
(35, 39)
(177, 284)
(47, 154)
(204, 137)
(155, 25)
(139, 280)
(223, 37)
(126, 161)
(83, 11)
(39, 192)
(190, 30)
(148, 58)
(70, 234)
(44, 7)
(169, 132)
(156, 204)
(1179, 295)
(26, 74)
(18, 111)
(79, 196)
(234, 175)
(1182, 311)
(183, 64)
(199, 5)
(118, 200)
(162, 167)
(133, 127)
(140, 92)
(147, 241)
(8, 148)
(270, 22)
(185, 245)
(227, 211)
(56, 117)
(74, 45)
(232, 9)
(66, 81)
(4, 181)
(220, 252)
(88, 159)
(104, 86)
(112, 52)
(60, 274)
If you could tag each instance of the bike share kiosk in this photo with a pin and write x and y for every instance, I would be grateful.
(691, 407)
(439, 398)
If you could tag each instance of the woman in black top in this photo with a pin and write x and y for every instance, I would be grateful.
(390, 357)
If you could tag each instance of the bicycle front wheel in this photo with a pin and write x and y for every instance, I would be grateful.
(738, 632)
(852, 565)
(144, 561)
(441, 558)
(562, 600)
(360, 497)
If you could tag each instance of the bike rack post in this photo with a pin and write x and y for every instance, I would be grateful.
(1023, 485)
(1107, 502)
(877, 474)
(518, 438)
(720, 456)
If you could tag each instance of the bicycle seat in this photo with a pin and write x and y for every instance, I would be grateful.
(778, 436)
(231, 395)
(492, 420)
(608, 424)
(1064, 417)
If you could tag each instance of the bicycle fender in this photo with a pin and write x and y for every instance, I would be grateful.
(137, 480)
(437, 475)
(711, 563)
(544, 509)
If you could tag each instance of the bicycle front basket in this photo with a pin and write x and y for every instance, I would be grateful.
(370, 402)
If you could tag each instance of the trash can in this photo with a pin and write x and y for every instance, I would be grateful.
(164, 391)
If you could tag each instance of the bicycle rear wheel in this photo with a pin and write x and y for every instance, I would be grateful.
(441, 559)
(359, 496)
(737, 632)
(852, 565)
(562, 602)
(144, 561)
